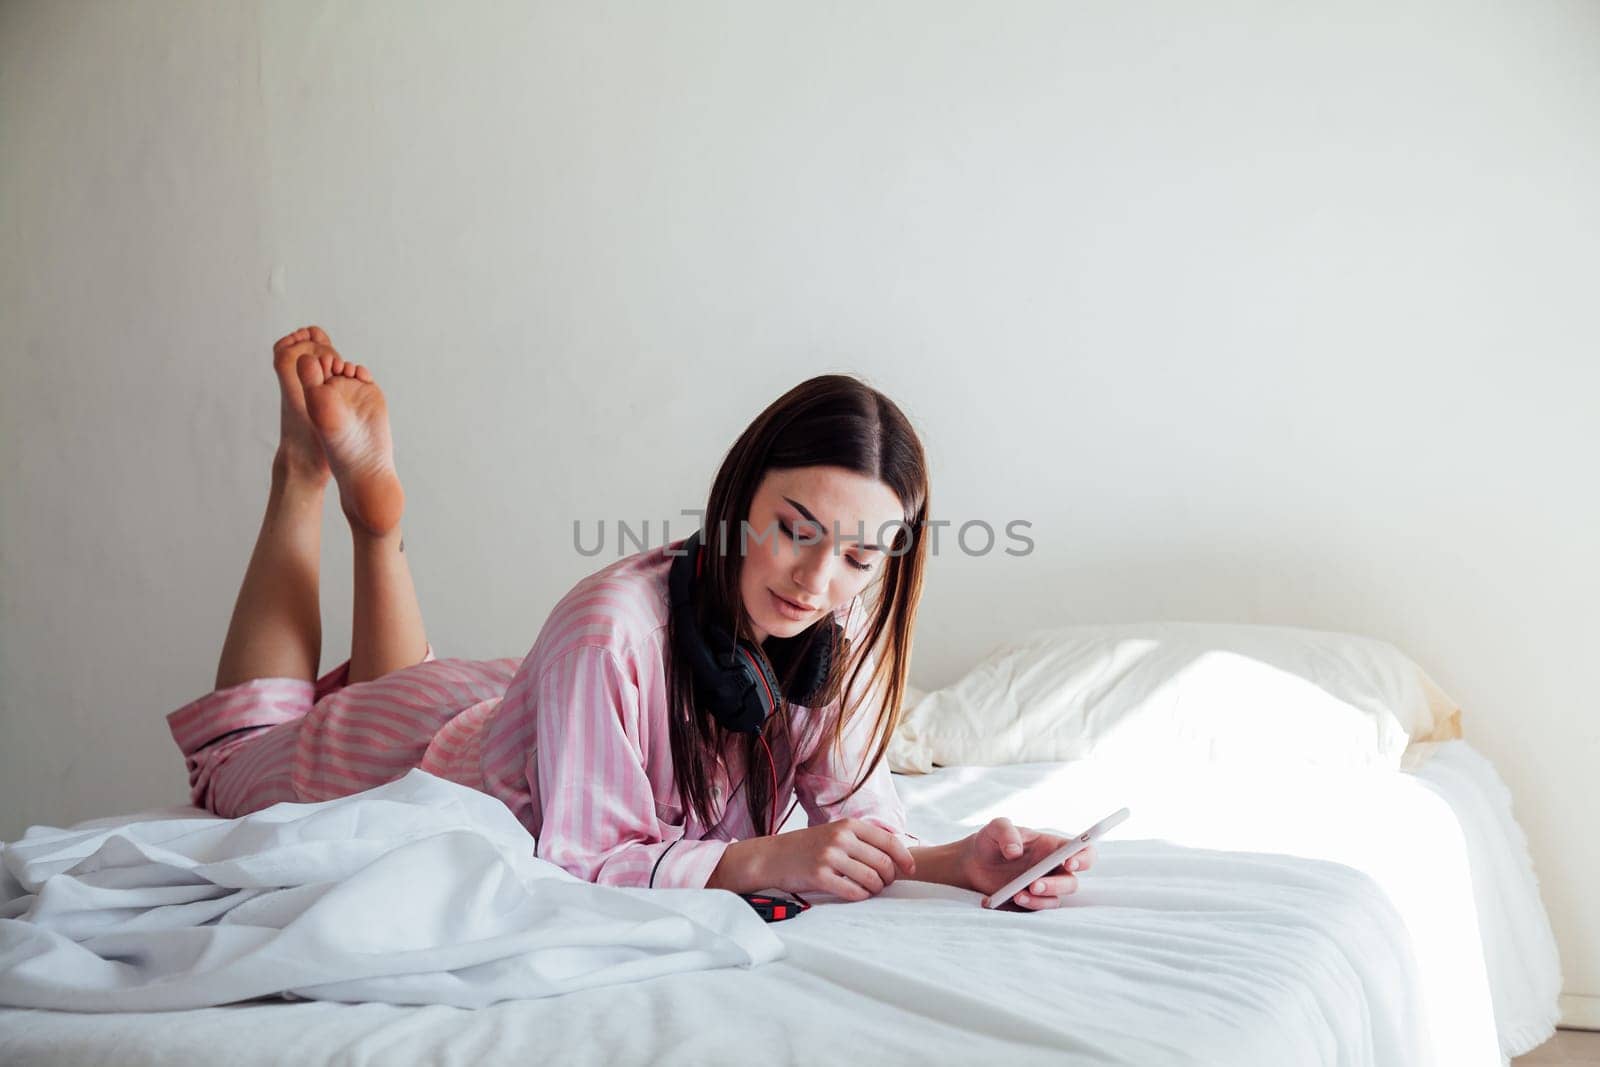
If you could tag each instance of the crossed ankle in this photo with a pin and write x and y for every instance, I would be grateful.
(290, 470)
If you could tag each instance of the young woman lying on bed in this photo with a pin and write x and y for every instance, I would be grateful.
(623, 738)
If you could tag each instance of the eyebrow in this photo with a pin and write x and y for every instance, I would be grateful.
(812, 518)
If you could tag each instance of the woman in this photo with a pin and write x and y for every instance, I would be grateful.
(609, 740)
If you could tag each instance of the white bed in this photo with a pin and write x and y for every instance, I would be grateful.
(1289, 918)
(1438, 838)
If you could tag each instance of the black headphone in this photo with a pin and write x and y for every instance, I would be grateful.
(733, 676)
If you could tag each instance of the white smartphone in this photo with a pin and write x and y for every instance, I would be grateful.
(1055, 859)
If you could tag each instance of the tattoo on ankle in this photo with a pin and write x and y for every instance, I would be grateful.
(402, 544)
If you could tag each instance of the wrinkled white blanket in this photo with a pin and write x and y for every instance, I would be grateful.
(419, 891)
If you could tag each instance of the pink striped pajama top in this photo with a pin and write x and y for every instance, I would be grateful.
(573, 739)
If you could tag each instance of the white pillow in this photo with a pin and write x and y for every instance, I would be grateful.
(1212, 692)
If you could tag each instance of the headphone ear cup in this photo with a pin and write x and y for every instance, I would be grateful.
(764, 688)
(745, 691)
(814, 650)
(727, 679)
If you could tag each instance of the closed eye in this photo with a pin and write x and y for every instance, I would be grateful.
(783, 529)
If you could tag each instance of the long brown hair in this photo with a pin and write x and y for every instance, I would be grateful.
(832, 420)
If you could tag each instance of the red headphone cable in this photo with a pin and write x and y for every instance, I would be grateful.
(773, 767)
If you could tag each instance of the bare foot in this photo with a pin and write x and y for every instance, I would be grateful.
(299, 450)
(351, 419)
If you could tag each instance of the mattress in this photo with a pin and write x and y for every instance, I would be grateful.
(1440, 838)
(1229, 921)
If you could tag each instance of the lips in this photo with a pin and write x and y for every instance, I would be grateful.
(797, 606)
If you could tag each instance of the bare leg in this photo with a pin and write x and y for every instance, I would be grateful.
(351, 419)
(387, 631)
(276, 629)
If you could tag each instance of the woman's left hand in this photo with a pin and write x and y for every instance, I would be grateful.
(1000, 852)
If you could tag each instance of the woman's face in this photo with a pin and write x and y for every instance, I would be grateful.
(812, 530)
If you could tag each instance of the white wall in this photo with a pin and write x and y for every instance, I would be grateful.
(1260, 312)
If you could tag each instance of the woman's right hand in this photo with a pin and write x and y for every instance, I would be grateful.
(850, 858)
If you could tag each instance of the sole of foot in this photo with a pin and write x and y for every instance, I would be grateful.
(351, 419)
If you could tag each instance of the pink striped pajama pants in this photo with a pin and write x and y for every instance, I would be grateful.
(267, 740)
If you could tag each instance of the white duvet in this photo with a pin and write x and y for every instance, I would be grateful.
(1236, 953)
(420, 891)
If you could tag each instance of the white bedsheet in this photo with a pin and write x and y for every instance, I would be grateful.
(1519, 945)
(1169, 955)
(1440, 840)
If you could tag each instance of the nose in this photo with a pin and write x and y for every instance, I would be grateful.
(811, 571)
